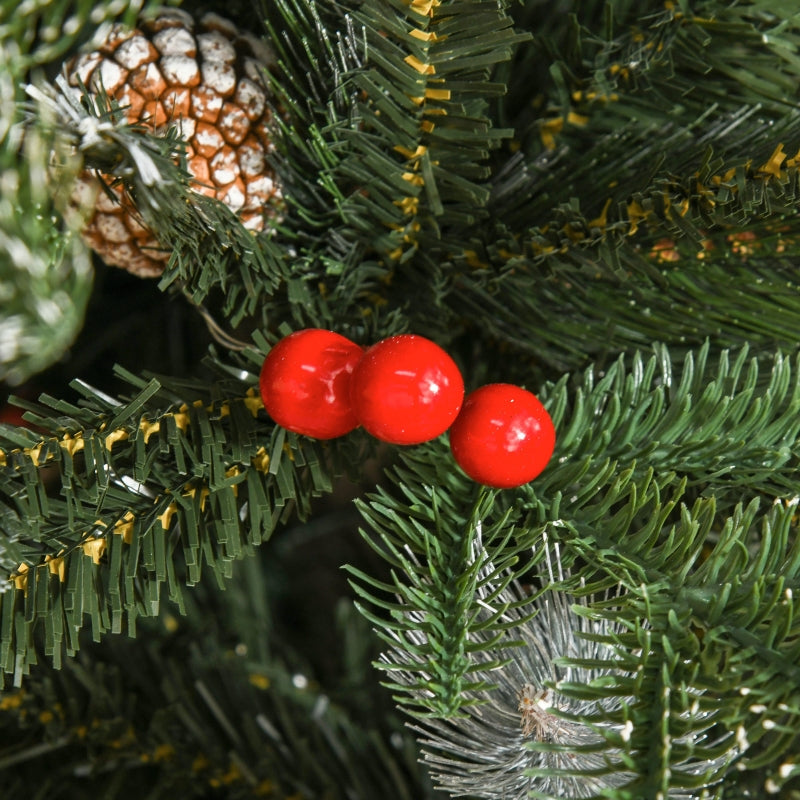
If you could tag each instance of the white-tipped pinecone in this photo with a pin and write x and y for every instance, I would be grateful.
(206, 78)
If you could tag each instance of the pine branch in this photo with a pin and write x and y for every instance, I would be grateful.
(332, 278)
(672, 181)
(612, 64)
(743, 54)
(703, 252)
(425, 95)
(709, 168)
(652, 687)
(650, 513)
(383, 148)
(667, 574)
(636, 443)
(719, 629)
(448, 574)
(559, 724)
(150, 489)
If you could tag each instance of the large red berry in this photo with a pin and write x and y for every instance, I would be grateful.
(406, 390)
(305, 383)
(503, 436)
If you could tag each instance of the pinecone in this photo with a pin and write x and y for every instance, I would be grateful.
(204, 77)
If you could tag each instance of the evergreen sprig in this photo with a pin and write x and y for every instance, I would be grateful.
(423, 101)
(562, 720)
(724, 428)
(683, 242)
(728, 569)
(383, 143)
(448, 571)
(120, 497)
(615, 66)
(675, 644)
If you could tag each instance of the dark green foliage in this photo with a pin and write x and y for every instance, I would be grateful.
(667, 115)
(198, 708)
(702, 671)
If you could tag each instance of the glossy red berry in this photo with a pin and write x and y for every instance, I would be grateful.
(406, 390)
(503, 436)
(305, 383)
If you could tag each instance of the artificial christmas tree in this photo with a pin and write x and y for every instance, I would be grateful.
(594, 202)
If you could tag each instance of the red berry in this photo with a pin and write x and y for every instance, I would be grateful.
(406, 390)
(305, 383)
(503, 436)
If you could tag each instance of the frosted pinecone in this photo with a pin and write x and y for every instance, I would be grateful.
(206, 78)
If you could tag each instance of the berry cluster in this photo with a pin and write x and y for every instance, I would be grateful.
(405, 390)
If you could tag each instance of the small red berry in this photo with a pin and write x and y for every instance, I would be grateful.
(406, 390)
(305, 383)
(503, 436)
